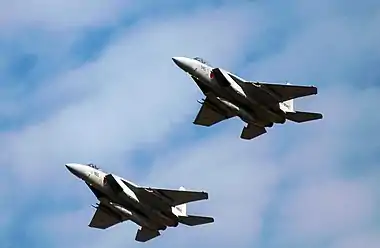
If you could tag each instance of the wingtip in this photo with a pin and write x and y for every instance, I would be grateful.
(315, 90)
(206, 195)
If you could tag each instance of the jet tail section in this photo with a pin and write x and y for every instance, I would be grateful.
(287, 106)
(189, 220)
(297, 116)
(193, 220)
(180, 210)
(300, 117)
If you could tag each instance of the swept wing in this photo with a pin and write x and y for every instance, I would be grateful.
(281, 92)
(166, 197)
(104, 218)
(285, 92)
(210, 114)
(178, 197)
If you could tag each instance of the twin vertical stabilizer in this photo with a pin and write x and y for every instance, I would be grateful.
(297, 116)
(189, 220)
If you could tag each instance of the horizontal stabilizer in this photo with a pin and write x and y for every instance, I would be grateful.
(252, 131)
(145, 234)
(192, 220)
(299, 116)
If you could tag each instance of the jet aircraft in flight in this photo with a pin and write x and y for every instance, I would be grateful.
(259, 104)
(153, 209)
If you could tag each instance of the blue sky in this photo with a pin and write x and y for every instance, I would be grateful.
(93, 81)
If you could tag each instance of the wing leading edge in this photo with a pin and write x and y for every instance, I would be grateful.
(178, 197)
(283, 92)
(286, 92)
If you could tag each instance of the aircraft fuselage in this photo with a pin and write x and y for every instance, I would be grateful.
(217, 83)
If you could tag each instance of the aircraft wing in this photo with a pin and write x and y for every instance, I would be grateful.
(282, 92)
(170, 196)
(181, 196)
(286, 91)
(104, 218)
(208, 115)
(145, 234)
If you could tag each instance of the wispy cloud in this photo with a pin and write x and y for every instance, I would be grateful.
(309, 185)
(57, 14)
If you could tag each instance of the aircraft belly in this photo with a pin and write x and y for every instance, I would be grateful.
(164, 220)
(258, 102)
(141, 215)
(262, 114)
(256, 112)
(153, 211)
(150, 208)
(165, 217)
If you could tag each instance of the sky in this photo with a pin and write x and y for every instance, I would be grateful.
(93, 81)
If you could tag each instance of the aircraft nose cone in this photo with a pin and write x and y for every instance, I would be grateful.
(183, 63)
(176, 60)
(77, 169)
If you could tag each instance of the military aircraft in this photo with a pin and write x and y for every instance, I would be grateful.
(259, 104)
(153, 209)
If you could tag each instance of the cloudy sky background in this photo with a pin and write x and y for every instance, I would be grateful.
(93, 81)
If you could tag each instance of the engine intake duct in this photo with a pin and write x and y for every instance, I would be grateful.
(220, 78)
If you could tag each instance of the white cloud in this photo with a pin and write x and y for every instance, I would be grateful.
(325, 209)
(239, 189)
(323, 46)
(367, 239)
(108, 108)
(131, 96)
(237, 176)
(65, 15)
(56, 14)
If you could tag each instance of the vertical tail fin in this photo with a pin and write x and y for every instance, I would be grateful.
(180, 210)
(189, 220)
(287, 106)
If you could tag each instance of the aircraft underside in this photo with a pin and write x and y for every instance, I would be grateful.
(260, 115)
(158, 219)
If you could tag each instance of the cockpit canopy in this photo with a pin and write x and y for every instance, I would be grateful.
(93, 166)
(202, 61)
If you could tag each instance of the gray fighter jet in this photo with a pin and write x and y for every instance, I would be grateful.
(258, 104)
(153, 209)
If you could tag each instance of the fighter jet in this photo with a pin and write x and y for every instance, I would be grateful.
(259, 104)
(153, 209)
